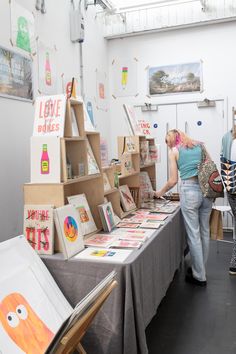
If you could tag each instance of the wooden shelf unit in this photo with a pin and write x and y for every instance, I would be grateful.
(73, 149)
(131, 179)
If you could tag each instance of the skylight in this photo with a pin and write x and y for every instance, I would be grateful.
(134, 4)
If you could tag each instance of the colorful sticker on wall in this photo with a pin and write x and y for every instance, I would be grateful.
(22, 27)
(47, 68)
(101, 95)
(124, 77)
(48, 73)
(70, 229)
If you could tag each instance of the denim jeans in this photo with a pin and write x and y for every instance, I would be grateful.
(196, 211)
(232, 203)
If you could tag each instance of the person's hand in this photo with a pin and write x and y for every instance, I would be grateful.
(157, 194)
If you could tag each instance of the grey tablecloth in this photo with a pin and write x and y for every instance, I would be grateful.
(143, 280)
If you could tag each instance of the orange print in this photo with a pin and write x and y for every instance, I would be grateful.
(23, 325)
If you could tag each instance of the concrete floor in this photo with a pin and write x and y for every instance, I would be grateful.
(196, 320)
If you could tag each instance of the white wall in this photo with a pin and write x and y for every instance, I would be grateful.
(16, 117)
(214, 44)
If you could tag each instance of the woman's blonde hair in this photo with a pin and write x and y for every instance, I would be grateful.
(177, 138)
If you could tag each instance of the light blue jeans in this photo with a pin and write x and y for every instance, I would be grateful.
(196, 211)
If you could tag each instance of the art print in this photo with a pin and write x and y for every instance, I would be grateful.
(178, 78)
(80, 203)
(45, 159)
(22, 27)
(124, 72)
(39, 228)
(29, 318)
(47, 69)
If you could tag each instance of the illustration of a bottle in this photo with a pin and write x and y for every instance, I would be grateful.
(48, 74)
(124, 76)
(45, 161)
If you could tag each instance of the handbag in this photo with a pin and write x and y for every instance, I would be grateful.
(209, 177)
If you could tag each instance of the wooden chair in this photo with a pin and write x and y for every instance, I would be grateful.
(71, 341)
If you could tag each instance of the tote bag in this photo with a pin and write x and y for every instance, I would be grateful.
(209, 177)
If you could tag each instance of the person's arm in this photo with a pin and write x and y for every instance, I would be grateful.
(173, 179)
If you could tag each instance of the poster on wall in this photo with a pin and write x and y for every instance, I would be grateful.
(177, 78)
(22, 27)
(47, 70)
(124, 77)
(15, 75)
(101, 90)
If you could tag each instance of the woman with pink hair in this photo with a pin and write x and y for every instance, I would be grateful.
(185, 155)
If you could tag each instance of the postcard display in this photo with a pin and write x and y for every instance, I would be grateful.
(132, 163)
(65, 157)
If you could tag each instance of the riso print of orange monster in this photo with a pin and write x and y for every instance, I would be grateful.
(23, 325)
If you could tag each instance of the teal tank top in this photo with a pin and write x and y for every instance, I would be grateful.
(188, 161)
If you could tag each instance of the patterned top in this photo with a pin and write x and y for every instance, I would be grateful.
(228, 167)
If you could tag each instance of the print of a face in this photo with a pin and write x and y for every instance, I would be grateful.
(70, 229)
(23, 325)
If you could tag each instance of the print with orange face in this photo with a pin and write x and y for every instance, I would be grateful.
(70, 229)
(83, 214)
(23, 325)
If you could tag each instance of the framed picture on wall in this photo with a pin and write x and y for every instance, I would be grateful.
(177, 78)
(15, 75)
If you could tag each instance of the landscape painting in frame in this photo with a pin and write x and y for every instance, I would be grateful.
(15, 75)
(177, 78)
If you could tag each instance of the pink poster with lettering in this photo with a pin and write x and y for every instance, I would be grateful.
(49, 118)
(39, 227)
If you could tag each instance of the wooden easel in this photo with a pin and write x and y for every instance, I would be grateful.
(71, 341)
